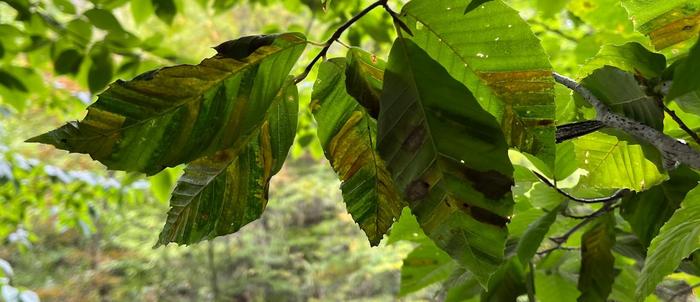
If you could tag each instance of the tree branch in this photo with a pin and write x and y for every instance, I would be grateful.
(336, 35)
(609, 206)
(673, 150)
(616, 195)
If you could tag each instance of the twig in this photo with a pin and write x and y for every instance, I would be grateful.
(680, 123)
(673, 150)
(336, 35)
(565, 237)
(616, 195)
(554, 31)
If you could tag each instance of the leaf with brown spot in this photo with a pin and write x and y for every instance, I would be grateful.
(348, 134)
(667, 22)
(449, 158)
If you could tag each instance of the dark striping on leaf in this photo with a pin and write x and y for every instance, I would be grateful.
(415, 139)
(492, 184)
(243, 47)
(485, 216)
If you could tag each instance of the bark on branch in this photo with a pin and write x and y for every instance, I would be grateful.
(674, 151)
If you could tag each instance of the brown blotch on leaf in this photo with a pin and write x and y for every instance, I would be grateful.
(492, 184)
(488, 217)
(415, 139)
(417, 190)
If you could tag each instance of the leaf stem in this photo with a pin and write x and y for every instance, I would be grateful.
(674, 151)
(336, 35)
(616, 195)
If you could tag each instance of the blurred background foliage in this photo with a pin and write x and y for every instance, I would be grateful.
(71, 231)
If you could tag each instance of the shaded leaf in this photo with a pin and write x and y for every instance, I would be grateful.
(348, 136)
(101, 68)
(174, 115)
(649, 210)
(535, 233)
(507, 284)
(495, 54)
(666, 22)
(631, 57)
(68, 61)
(626, 97)
(221, 193)
(554, 287)
(677, 239)
(597, 261)
(448, 158)
(364, 79)
(103, 19)
(165, 10)
(685, 76)
(425, 266)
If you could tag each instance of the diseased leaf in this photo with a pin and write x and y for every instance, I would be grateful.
(448, 158)
(494, 53)
(649, 210)
(174, 115)
(220, 193)
(597, 261)
(685, 76)
(625, 97)
(677, 239)
(666, 22)
(364, 79)
(348, 136)
(614, 163)
(631, 57)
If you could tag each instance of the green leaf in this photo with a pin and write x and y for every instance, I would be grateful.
(685, 76)
(631, 57)
(364, 79)
(348, 136)
(103, 19)
(494, 53)
(549, 8)
(649, 210)
(597, 261)
(666, 22)
(65, 6)
(614, 163)
(535, 233)
(625, 97)
(174, 115)
(68, 62)
(677, 239)
(448, 158)
(473, 4)
(165, 10)
(162, 184)
(221, 193)
(554, 287)
(101, 68)
(425, 266)
(507, 284)
(407, 229)
(141, 10)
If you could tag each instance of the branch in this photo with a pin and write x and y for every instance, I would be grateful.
(616, 195)
(685, 291)
(336, 35)
(574, 130)
(608, 207)
(673, 150)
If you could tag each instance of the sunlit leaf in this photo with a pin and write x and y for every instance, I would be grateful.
(424, 266)
(348, 136)
(448, 158)
(677, 239)
(597, 261)
(494, 53)
(666, 22)
(614, 163)
(174, 115)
